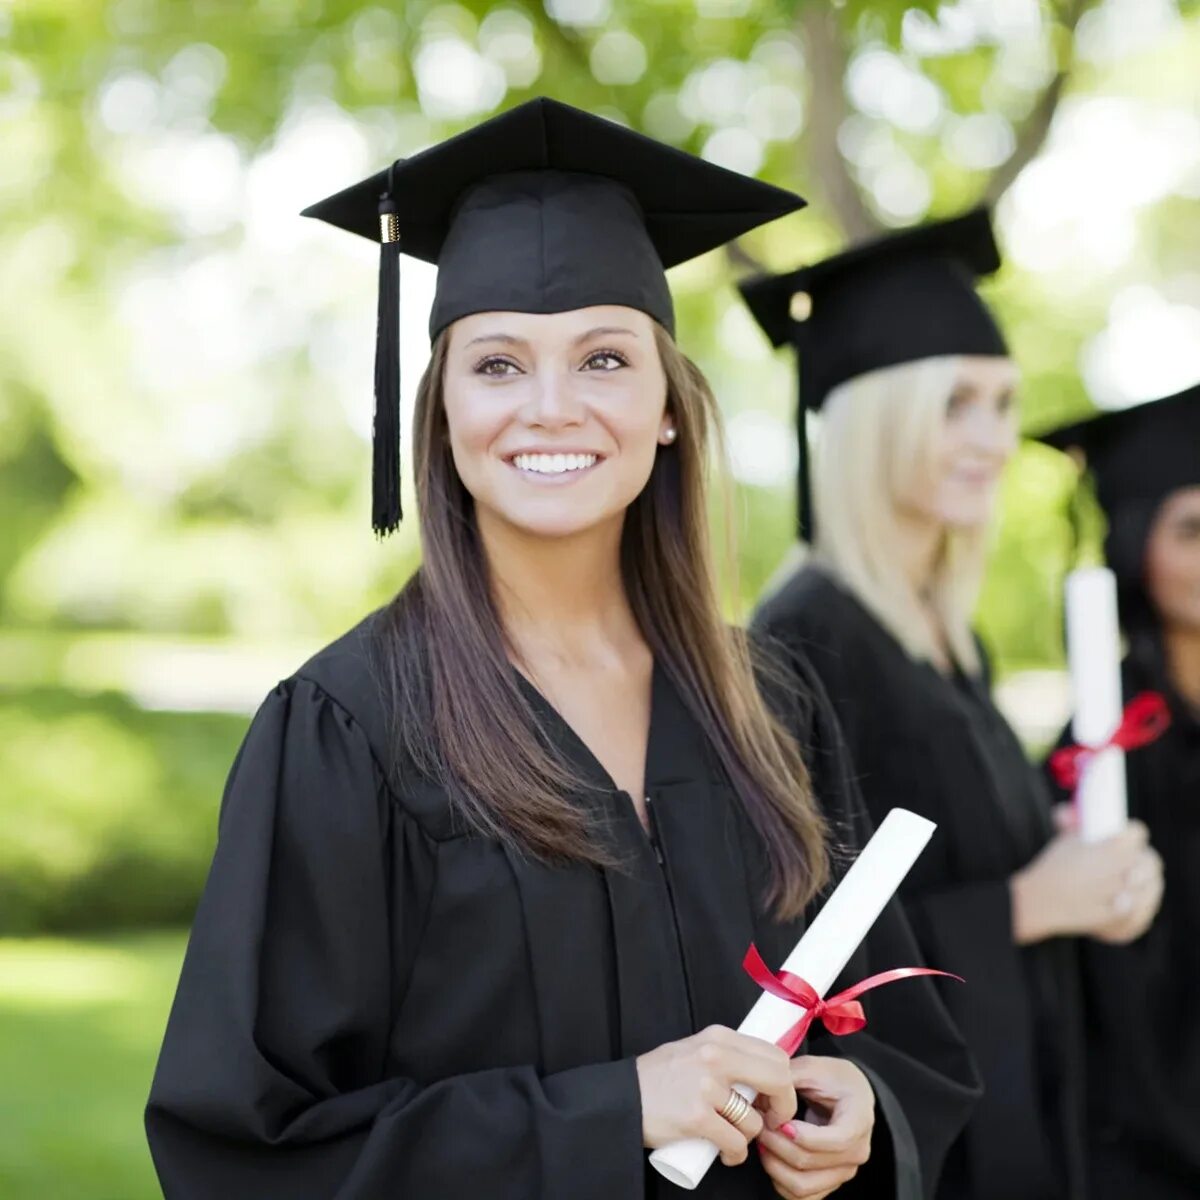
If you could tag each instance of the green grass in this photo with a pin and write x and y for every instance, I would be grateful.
(80, 1025)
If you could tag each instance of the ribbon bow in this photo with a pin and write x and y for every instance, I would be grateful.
(1146, 718)
(840, 1014)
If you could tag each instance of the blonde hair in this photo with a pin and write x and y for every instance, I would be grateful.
(877, 437)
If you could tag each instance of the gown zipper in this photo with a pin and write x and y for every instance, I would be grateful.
(656, 846)
(652, 834)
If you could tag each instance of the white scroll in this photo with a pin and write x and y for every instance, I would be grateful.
(819, 958)
(1094, 659)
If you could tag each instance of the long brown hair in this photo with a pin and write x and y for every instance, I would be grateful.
(461, 717)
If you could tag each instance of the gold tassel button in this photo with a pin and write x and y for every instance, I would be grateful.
(389, 227)
(801, 306)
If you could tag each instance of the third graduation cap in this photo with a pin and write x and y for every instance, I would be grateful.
(543, 209)
(895, 299)
(1139, 454)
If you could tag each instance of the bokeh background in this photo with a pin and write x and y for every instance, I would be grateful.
(185, 378)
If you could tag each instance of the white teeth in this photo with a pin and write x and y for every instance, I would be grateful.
(553, 464)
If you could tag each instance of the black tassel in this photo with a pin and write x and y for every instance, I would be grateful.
(386, 514)
(804, 521)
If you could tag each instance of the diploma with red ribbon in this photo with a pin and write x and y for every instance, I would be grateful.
(840, 1014)
(1095, 769)
(793, 997)
(1145, 719)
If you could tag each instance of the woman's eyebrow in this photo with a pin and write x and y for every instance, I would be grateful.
(604, 331)
(511, 340)
(507, 338)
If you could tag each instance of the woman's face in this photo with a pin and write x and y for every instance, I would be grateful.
(973, 441)
(1173, 560)
(555, 419)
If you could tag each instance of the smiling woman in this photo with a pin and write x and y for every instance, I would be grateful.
(488, 864)
(566, 399)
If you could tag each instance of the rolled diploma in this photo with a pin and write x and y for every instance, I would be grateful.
(819, 957)
(1094, 659)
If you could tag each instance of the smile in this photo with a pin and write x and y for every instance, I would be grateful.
(554, 464)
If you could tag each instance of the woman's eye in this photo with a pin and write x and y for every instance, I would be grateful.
(956, 404)
(496, 367)
(605, 360)
(1004, 405)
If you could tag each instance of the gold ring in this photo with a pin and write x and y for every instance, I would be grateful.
(736, 1109)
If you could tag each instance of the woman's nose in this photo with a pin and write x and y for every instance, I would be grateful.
(553, 402)
(993, 433)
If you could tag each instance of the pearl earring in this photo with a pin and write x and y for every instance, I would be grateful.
(669, 434)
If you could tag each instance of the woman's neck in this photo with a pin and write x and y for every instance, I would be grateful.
(561, 600)
(1182, 648)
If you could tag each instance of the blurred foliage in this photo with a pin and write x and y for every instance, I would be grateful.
(184, 364)
(80, 1026)
(109, 810)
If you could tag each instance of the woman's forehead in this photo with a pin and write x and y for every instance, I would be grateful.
(990, 369)
(552, 328)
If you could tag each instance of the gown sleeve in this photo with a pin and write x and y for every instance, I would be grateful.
(925, 1082)
(273, 1078)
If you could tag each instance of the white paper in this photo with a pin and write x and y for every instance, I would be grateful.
(819, 957)
(1094, 659)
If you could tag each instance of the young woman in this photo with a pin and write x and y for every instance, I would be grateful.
(488, 864)
(1143, 1033)
(916, 395)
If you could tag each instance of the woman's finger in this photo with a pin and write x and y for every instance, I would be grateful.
(767, 1074)
(1066, 818)
(728, 1139)
(785, 1148)
(849, 1124)
(805, 1185)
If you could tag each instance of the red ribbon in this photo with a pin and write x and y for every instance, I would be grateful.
(1146, 718)
(840, 1014)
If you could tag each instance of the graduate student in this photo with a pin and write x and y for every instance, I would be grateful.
(915, 388)
(1143, 1010)
(489, 863)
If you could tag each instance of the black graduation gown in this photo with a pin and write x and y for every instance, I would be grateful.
(1143, 1000)
(940, 747)
(374, 1005)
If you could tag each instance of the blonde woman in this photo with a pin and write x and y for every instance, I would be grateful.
(916, 390)
(489, 863)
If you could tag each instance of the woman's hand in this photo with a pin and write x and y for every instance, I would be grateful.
(811, 1158)
(1109, 890)
(686, 1084)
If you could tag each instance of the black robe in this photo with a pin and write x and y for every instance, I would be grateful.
(1143, 1000)
(939, 746)
(376, 1005)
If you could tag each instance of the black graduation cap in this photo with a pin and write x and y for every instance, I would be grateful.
(542, 209)
(895, 299)
(1137, 455)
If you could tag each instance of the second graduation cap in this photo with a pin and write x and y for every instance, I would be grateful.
(542, 209)
(895, 299)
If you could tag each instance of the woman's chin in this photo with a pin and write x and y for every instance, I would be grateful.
(555, 522)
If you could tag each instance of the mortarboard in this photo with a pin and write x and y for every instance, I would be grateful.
(1136, 458)
(895, 299)
(1142, 453)
(542, 209)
